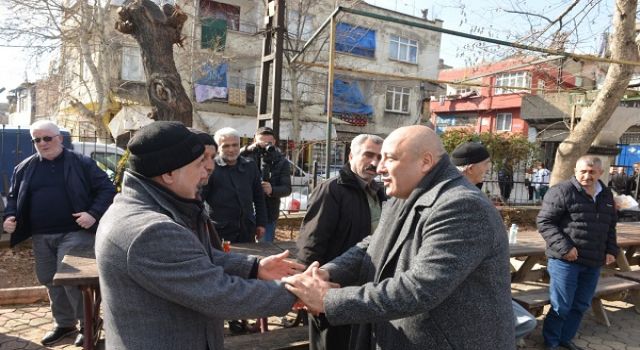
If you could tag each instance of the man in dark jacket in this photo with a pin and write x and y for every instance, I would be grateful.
(578, 223)
(234, 193)
(56, 197)
(342, 211)
(275, 172)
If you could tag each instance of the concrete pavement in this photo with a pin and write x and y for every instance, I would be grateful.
(22, 327)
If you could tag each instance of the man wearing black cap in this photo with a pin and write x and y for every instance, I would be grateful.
(162, 283)
(275, 172)
(473, 161)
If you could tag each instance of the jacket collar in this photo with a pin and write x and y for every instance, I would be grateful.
(429, 188)
(581, 189)
(184, 211)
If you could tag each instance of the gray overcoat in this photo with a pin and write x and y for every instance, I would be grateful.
(434, 275)
(163, 286)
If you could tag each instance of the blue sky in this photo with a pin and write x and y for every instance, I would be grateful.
(480, 17)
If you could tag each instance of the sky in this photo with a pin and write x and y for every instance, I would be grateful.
(479, 17)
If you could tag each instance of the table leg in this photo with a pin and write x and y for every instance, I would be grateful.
(264, 324)
(87, 296)
(521, 274)
(600, 312)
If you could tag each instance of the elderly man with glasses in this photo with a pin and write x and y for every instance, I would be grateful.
(56, 197)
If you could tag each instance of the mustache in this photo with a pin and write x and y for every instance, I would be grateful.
(370, 167)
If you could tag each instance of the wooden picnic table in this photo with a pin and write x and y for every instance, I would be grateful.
(79, 269)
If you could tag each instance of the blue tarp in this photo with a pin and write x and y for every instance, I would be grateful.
(348, 99)
(214, 76)
(355, 40)
(629, 154)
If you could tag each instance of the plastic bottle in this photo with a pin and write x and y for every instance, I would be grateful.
(513, 234)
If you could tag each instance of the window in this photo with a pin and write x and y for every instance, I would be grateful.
(403, 49)
(355, 40)
(503, 122)
(132, 68)
(299, 28)
(506, 82)
(398, 99)
(541, 86)
(216, 18)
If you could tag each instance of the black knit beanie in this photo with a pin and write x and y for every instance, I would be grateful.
(161, 147)
(469, 153)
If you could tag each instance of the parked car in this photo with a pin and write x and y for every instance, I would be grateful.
(106, 156)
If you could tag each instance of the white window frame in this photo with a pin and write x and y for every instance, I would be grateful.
(502, 125)
(541, 87)
(402, 44)
(398, 96)
(132, 68)
(513, 81)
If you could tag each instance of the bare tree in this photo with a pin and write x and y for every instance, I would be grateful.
(76, 30)
(622, 47)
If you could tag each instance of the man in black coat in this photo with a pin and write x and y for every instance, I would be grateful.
(578, 223)
(57, 198)
(275, 172)
(341, 212)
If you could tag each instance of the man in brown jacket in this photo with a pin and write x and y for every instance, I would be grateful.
(341, 212)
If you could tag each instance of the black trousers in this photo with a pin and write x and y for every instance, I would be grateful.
(325, 337)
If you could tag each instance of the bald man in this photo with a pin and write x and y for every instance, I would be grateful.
(435, 275)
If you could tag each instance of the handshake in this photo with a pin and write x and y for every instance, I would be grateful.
(308, 285)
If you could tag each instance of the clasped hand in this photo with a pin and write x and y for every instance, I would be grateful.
(276, 267)
(310, 287)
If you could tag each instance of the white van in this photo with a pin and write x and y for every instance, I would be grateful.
(106, 156)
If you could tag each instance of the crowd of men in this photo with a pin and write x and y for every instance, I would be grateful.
(420, 264)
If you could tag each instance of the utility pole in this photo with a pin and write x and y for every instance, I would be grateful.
(332, 58)
(272, 54)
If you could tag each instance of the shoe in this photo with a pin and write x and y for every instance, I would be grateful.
(237, 327)
(57, 334)
(79, 338)
(570, 345)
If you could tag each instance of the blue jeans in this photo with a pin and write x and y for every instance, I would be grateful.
(269, 232)
(570, 291)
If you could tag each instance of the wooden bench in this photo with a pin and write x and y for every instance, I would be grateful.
(533, 296)
(295, 338)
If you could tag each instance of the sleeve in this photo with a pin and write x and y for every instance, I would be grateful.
(14, 188)
(258, 196)
(102, 190)
(345, 269)
(554, 209)
(319, 224)
(442, 263)
(281, 187)
(612, 242)
(172, 264)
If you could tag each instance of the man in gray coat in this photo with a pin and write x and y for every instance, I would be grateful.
(435, 275)
(163, 284)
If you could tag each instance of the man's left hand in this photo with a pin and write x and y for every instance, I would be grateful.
(277, 266)
(260, 230)
(84, 219)
(310, 287)
(266, 187)
(610, 259)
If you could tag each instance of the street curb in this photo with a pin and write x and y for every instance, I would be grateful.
(24, 295)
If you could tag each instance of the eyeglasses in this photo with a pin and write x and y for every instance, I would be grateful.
(45, 139)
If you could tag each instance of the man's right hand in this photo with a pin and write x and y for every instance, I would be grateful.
(9, 224)
(572, 255)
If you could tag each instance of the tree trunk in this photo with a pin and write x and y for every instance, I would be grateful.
(623, 47)
(156, 31)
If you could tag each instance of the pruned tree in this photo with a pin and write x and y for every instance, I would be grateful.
(156, 31)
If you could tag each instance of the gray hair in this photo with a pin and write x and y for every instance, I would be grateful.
(463, 168)
(225, 132)
(44, 125)
(362, 138)
(590, 160)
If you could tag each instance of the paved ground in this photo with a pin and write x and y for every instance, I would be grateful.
(22, 326)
